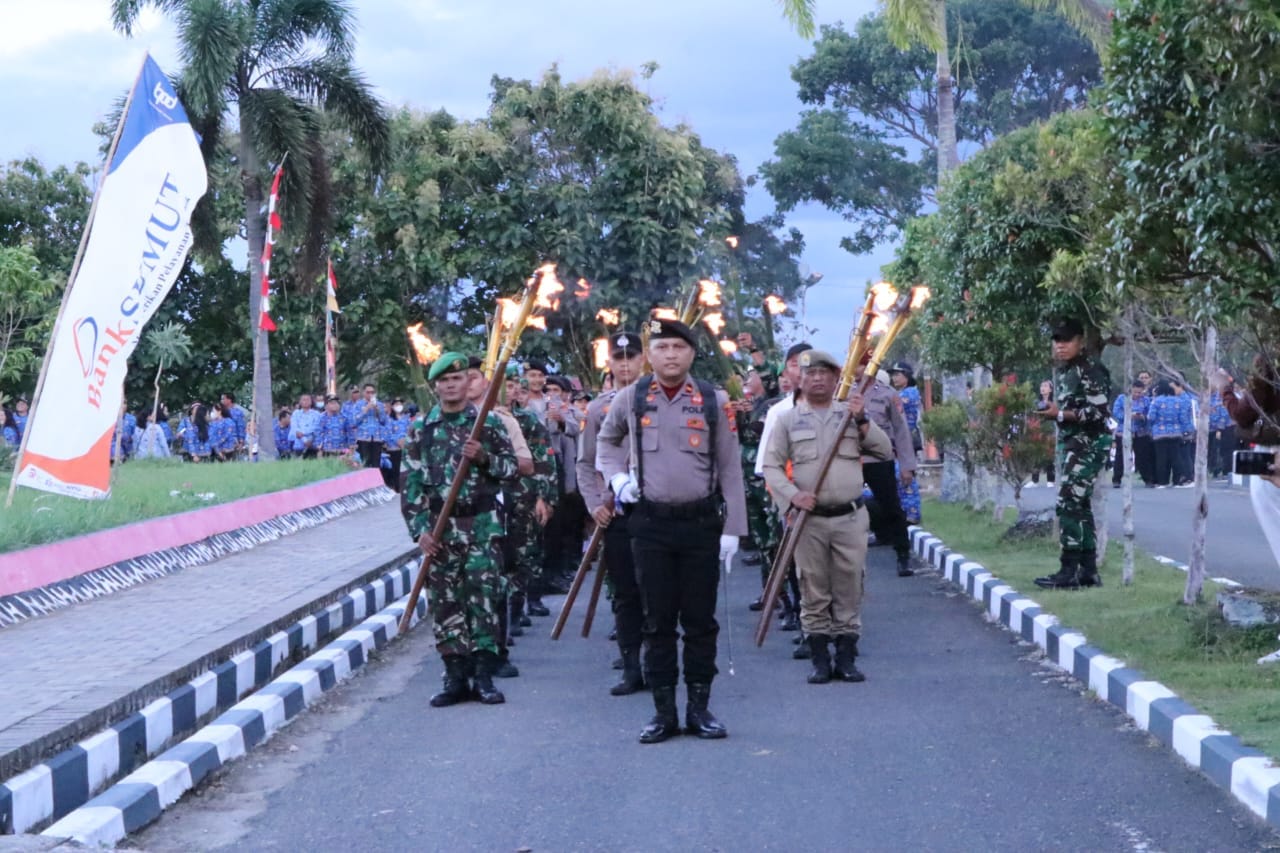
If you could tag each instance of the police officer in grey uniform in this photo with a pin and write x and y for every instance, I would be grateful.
(884, 408)
(831, 553)
(625, 363)
(668, 449)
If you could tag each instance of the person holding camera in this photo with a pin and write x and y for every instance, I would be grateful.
(1080, 408)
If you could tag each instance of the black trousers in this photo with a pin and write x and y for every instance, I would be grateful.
(619, 562)
(678, 567)
(1144, 458)
(370, 453)
(391, 476)
(1222, 444)
(562, 537)
(1121, 459)
(1172, 465)
(891, 523)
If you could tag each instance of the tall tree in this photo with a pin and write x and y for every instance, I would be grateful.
(273, 66)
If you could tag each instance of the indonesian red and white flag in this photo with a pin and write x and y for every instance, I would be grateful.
(273, 225)
(330, 344)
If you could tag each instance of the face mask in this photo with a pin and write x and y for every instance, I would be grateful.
(397, 408)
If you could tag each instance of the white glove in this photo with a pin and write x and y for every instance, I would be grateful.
(625, 488)
(728, 547)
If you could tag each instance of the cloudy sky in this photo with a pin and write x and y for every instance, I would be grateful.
(724, 69)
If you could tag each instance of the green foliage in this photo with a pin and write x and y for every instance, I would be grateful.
(1193, 113)
(26, 298)
(949, 426)
(1011, 247)
(1009, 438)
(867, 147)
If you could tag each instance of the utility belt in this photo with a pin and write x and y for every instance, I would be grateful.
(688, 511)
(837, 510)
(465, 509)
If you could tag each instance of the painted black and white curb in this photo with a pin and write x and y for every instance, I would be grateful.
(55, 788)
(140, 797)
(1250, 776)
(20, 606)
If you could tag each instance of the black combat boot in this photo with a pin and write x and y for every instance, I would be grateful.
(821, 659)
(535, 606)
(1067, 577)
(665, 722)
(904, 566)
(632, 678)
(505, 669)
(757, 605)
(482, 682)
(846, 651)
(698, 719)
(801, 651)
(1089, 569)
(790, 621)
(456, 689)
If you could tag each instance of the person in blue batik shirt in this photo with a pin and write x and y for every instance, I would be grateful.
(903, 379)
(1142, 454)
(19, 418)
(1169, 419)
(394, 435)
(1222, 437)
(237, 415)
(369, 419)
(195, 437)
(305, 422)
(353, 404)
(222, 436)
(1188, 409)
(333, 433)
(284, 441)
(8, 428)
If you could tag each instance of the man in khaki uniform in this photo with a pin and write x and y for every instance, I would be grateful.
(668, 448)
(831, 554)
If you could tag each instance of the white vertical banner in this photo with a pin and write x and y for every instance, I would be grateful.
(138, 238)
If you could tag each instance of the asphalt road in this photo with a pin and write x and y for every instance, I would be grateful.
(1235, 549)
(961, 739)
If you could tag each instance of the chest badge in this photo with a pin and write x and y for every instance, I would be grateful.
(695, 441)
(646, 421)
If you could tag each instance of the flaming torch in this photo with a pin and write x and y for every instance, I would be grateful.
(704, 294)
(610, 317)
(425, 349)
(882, 297)
(900, 312)
(773, 306)
(539, 292)
(600, 353)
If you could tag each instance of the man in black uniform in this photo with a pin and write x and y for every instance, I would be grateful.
(668, 448)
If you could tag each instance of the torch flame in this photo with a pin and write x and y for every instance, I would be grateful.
(732, 241)
(708, 293)
(424, 348)
(509, 311)
(548, 286)
(885, 295)
(600, 353)
(583, 290)
(774, 304)
(919, 296)
(879, 324)
(728, 347)
(609, 316)
(539, 323)
(715, 322)
(664, 314)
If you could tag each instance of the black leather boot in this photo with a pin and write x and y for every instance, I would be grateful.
(1067, 576)
(456, 689)
(790, 621)
(821, 659)
(698, 719)
(535, 606)
(665, 722)
(482, 683)
(632, 678)
(904, 566)
(846, 652)
(801, 651)
(1089, 569)
(505, 669)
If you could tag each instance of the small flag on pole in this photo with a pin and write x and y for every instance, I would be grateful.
(273, 225)
(330, 345)
(331, 300)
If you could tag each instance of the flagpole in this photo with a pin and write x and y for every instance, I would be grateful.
(71, 279)
(258, 332)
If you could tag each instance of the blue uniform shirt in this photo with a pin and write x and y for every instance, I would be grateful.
(368, 423)
(191, 442)
(333, 434)
(10, 435)
(283, 440)
(394, 430)
(222, 435)
(1219, 417)
(910, 397)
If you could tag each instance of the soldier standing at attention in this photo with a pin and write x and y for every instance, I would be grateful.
(464, 579)
(831, 554)
(1080, 408)
(668, 446)
(625, 362)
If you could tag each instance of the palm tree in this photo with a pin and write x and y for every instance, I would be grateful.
(170, 344)
(275, 68)
(924, 22)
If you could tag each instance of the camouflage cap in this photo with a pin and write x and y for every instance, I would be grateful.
(449, 362)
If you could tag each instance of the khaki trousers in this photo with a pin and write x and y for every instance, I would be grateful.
(831, 559)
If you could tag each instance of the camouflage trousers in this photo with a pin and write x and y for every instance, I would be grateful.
(467, 586)
(1083, 458)
(524, 543)
(763, 522)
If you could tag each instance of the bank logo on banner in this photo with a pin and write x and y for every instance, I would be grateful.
(138, 240)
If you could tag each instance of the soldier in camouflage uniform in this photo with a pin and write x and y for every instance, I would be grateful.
(464, 580)
(762, 516)
(534, 497)
(1082, 392)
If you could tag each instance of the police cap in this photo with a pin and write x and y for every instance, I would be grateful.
(624, 344)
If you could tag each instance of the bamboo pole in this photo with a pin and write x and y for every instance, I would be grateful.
(584, 565)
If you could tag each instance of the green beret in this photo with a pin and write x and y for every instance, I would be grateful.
(449, 362)
(818, 358)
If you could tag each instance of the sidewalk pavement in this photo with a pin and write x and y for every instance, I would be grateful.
(71, 673)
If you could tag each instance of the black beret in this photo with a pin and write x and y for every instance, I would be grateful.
(561, 382)
(1067, 328)
(475, 362)
(627, 343)
(535, 365)
(796, 349)
(659, 329)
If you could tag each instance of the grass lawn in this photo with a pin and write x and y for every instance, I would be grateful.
(149, 488)
(1191, 650)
